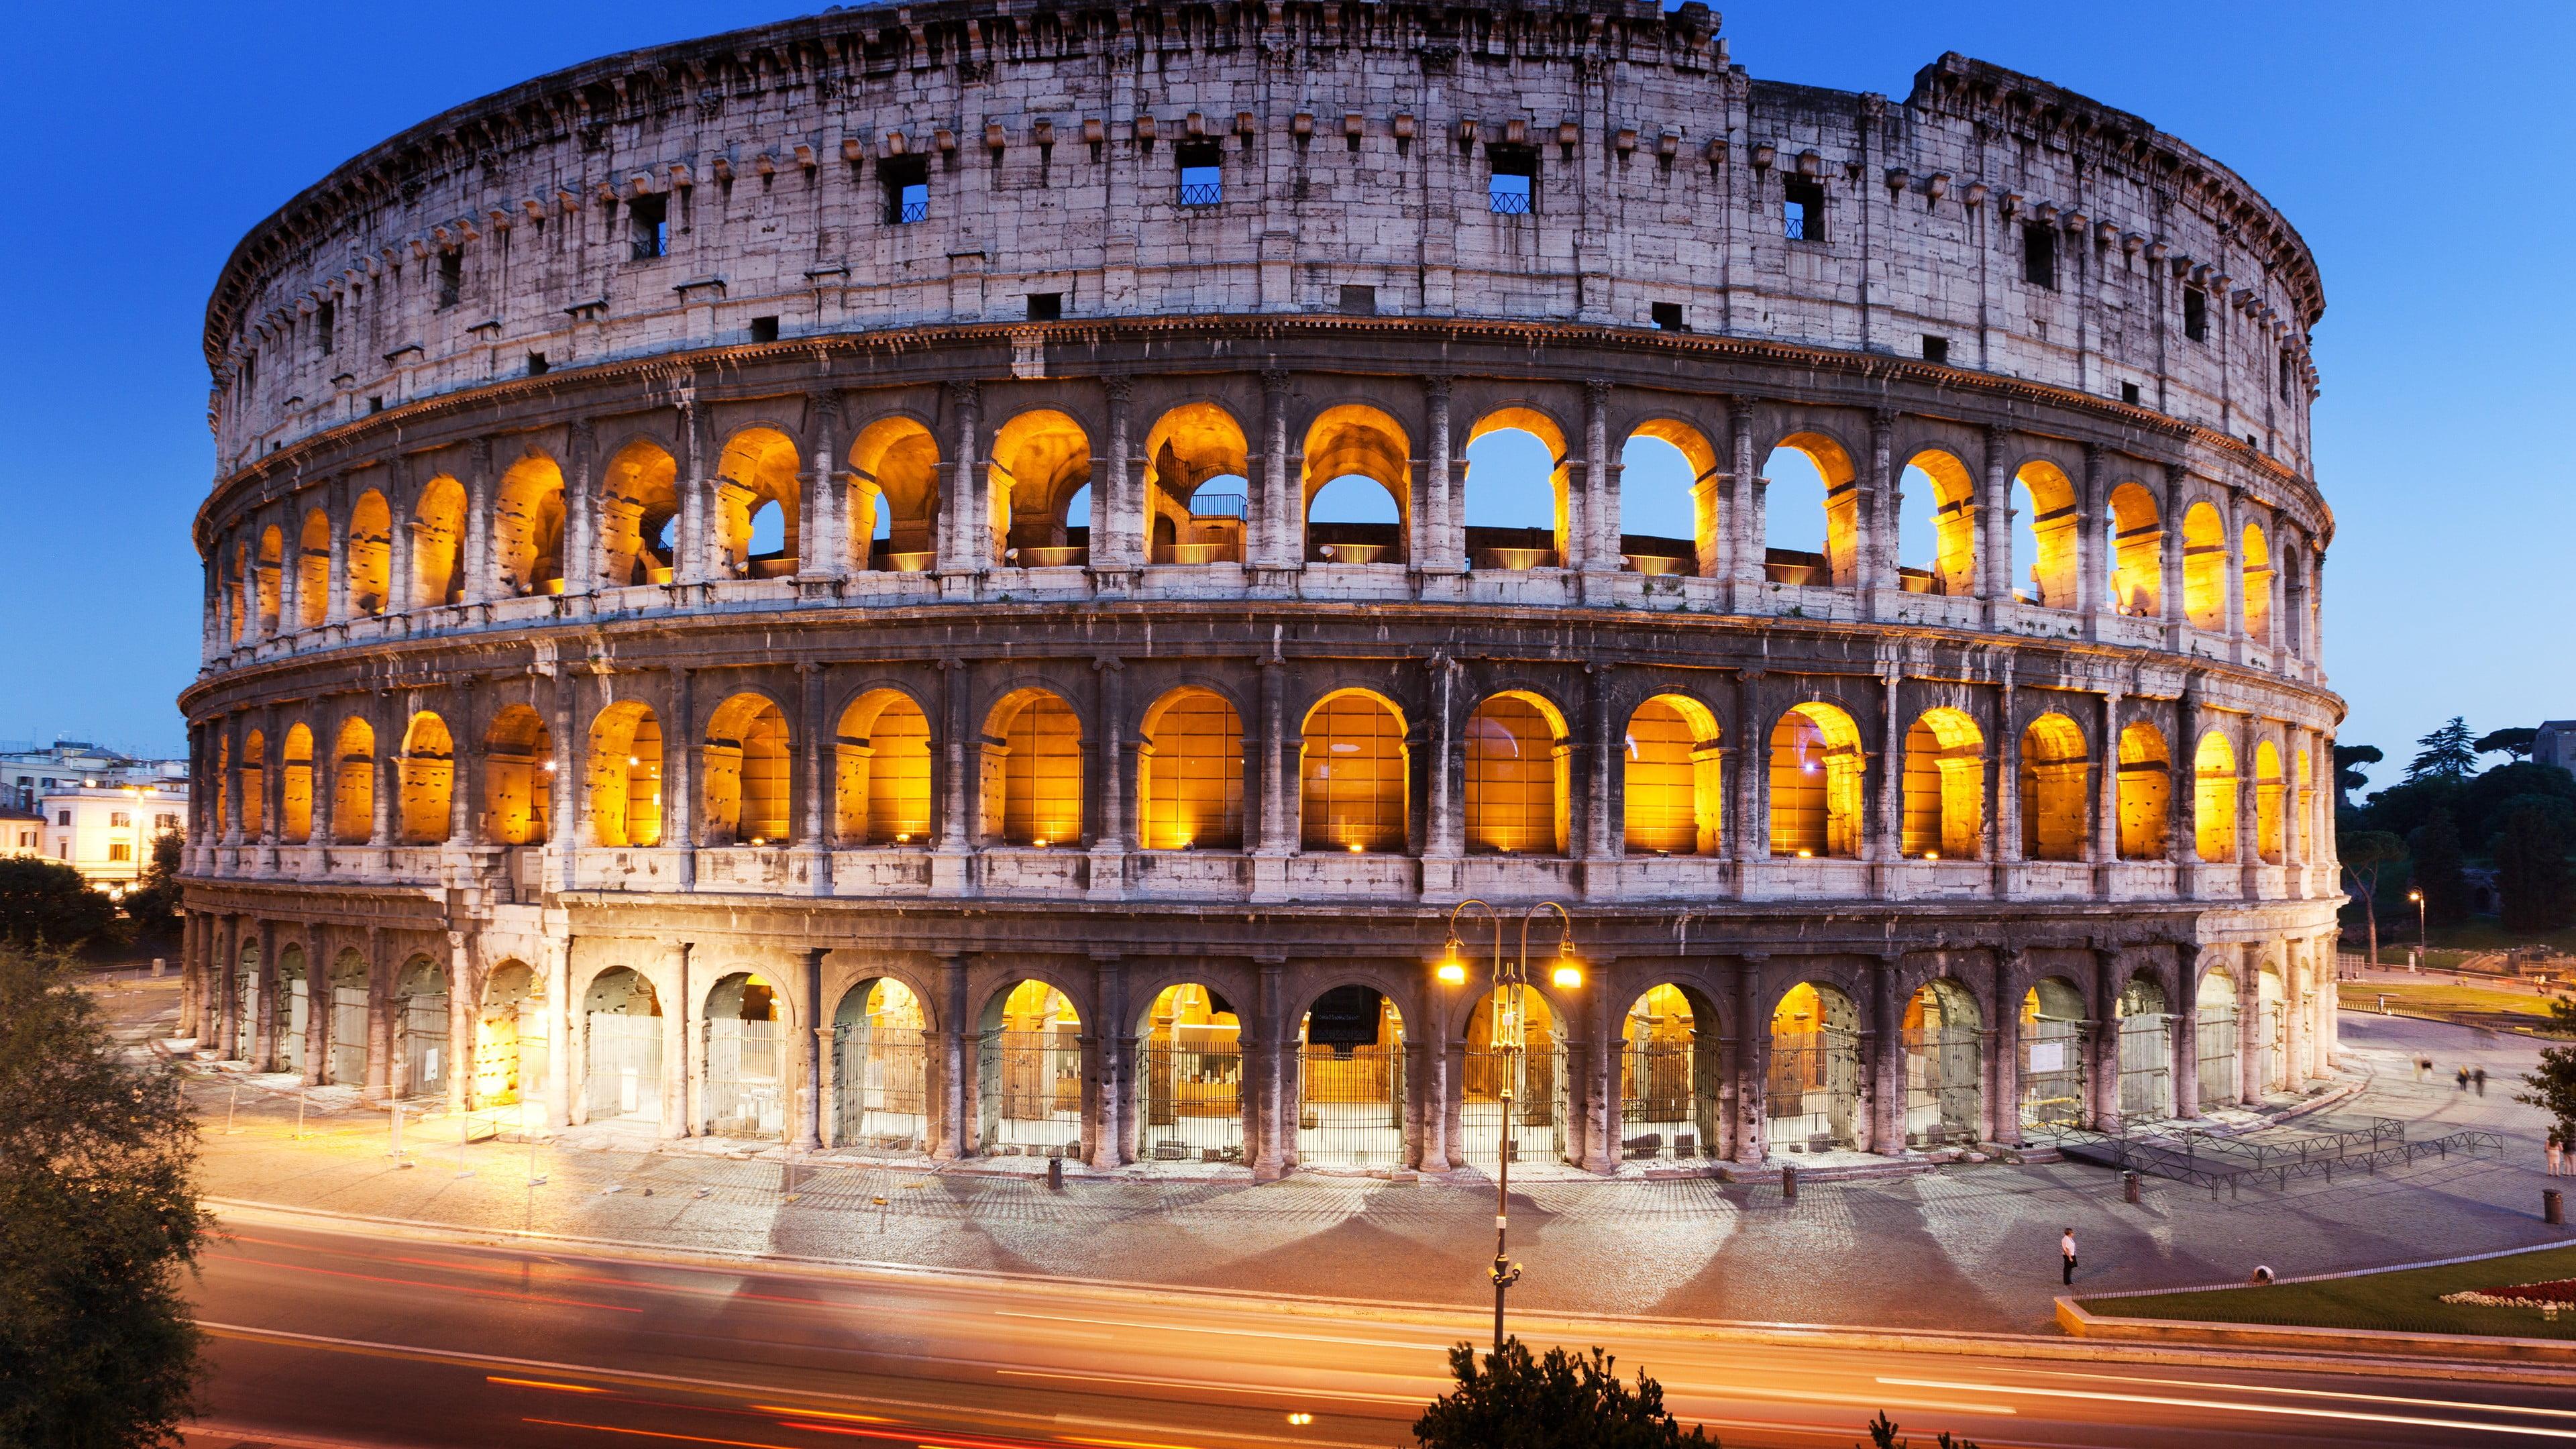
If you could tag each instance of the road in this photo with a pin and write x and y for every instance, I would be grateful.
(325, 1335)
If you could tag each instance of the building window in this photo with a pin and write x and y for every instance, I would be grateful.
(451, 278)
(119, 820)
(2039, 255)
(1802, 210)
(121, 852)
(1358, 301)
(62, 817)
(325, 320)
(764, 329)
(250, 372)
(907, 189)
(165, 822)
(2285, 377)
(1046, 306)
(537, 364)
(1936, 349)
(1512, 190)
(1202, 172)
(1668, 317)
(2195, 314)
(2129, 393)
(648, 227)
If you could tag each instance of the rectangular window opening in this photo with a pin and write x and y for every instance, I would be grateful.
(325, 320)
(906, 180)
(764, 329)
(1512, 189)
(376, 404)
(2195, 314)
(648, 227)
(1936, 349)
(1202, 172)
(1802, 210)
(1046, 306)
(2285, 377)
(1668, 317)
(536, 364)
(451, 278)
(2039, 255)
(1358, 301)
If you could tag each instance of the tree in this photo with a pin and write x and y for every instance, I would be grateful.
(2515, 744)
(2348, 761)
(1882, 1435)
(2553, 1087)
(2531, 871)
(98, 1215)
(2439, 871)
(2363, 852)
(153, 904)
(45, 902)
(1558, 1402)
(2447, 754)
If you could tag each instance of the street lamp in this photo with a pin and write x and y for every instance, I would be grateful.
(2418, 898)
(1511, 984)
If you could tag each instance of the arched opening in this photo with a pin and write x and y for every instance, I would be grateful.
(2056, 789)
(2267, 802)
(639, 516)
(1812, 1094)
(1040, 460)
(294, 1009)
(228, 592)
(2146, 793)
(2215, 1036)
(1197, 492)
(1032, 772)
(1357, 490)
(518, 777)
(1516, 491)
(246, 1003)
(254, 785)
(2271, 1030)
(313, 571)
(428, 779)
(759, 510)
(223, 772)
(1804, 468)
(1944, 1075)
(1516, 776)
(267, 577)
(353, 783)
(745, 767)
(370, 555)
(1944, 788)
(1351, 774)
(880, 1068)
(1667, 1085)
(894, 496)
(1350, 1080)
(1675, 778)
(295, 792)
(420, 1029)
(2204, 568)
(1189, 773)
(348, 1064)
(881, 771)
(2046, 526)
(2304, 798)
(1668, 504)
(625, 785)
(510, 1041)
(746, 1030)
(2214, 796)
(1528, 1083)
(2258, 585)
(438, 544)
(622, 1036)
(528, 527)
(1815, 784)
(2137, 548)
(2146, 1053)
(1028, 1073)
(1941, 531)
(2052, 1055)
(1189, 1071)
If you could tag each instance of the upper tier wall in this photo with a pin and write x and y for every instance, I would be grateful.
(1357, 143)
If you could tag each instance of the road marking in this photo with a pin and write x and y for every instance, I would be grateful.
(2315, 1393)
(418, 1283)
(2289, 1410)
(542, 1384)
(821, 1414)
(1228, 1332)
(1354, 1395)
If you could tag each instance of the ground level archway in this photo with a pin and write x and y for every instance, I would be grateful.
(744, 1094)
(1531, 1080)
(1944, 1070)
(1812, 1095)
(2052, 1055)
(1028, 1073)
(622, 1032)
(1351, 1080)
(510, 1057)
(880, 1068)
(1667, 1083)
(1189, 1076)
(2214, 1037)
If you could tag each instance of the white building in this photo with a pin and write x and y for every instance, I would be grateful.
(22, 832)
(2555, 744)
(29, 771)
(105, 831)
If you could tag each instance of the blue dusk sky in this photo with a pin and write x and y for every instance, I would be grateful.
(2417, 150)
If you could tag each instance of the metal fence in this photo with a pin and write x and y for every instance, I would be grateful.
(624, 1076)
(2271, 1047)
(1811, 1095)
(1202, 193)
(2146, 1067)
(1192, 1102)
(879, 1088)
(1350, 1106)
(1944, 1085)
(1538, 1106)
(1029, 1088)
(349, 1034)
(2052, 1072)
(423, 1044)
(2214, 1043)
(1659, 1099)
(744, 1087)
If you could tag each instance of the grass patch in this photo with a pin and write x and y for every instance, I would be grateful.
(2443, 997)
(2407, 1300)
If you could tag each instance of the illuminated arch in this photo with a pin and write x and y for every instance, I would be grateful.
(295, 792)
(1813, 1087)
(1836, 486)
(639, 516)
(369, 562)
(1031, 771)
(1040, 459)
(745, 1073)
(758, 471)
(1944, 788)
(1816, 768)
(518, 777)
(353, 783)
(1029, 1055)
(2145, 793)
(2214, 795)
(2056, 533)
(254, 784)
(313, 571)
(880, 1073)
(1668, 470)
(1196, 485)
(1670, 1065)
(1950, 493)
(266, 580)
(1675, 781)
(2267, 802)
(881, 774)
(1511, 546)
(427, 771)
(2056, 790)
(528, 527)
(1944, 1076)
(1516, 775)
(2137, 548)
(2258, 585)
(2204, 568)
(744, 790)
(1189, 773)
(438, 544)
(625, 776)
(1353, 775)
(1347, 448)
(894, 493)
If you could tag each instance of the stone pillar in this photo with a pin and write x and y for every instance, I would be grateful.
(227, 980)
(1276, 1118)
(569, 823)
(2177, 614)
(1440, 541)
(683, 1049)
(464, 991)
(823, 533)
(1886, 842)
(809, 1057)
(1752, 1059)
(680, 746)
(1601, 468)
(390, 729)
(1446, 837)
(1743, 550)
(2186, 1033)
(2003, 825)
(2106, 805)
(1603, 1139)
(2003, 1050)
(952, 1132)
(464, 761)
(1994, 542)
(1277, 531)
(2299, 985)
(966, 547)
(380, 1018)
(691, 549)
(2183, 810)
(402, 538)
(262, 1028)
(2232, 519)
(481, 562)
(2093, 563)
(2102, 1040)
(563, 1063)
(1113, 1106)
(336, 504)
(1111, 768)
(1887, 1061)
(1603, 839)
(581, 565)
(814, 761)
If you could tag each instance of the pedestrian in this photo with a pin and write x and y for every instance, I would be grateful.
(2463, 1075)
(2557, 1155)
(2482, 1081)
(2422, 1065)
(2066, 1250)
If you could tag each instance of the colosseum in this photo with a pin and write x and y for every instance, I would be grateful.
(983, 580)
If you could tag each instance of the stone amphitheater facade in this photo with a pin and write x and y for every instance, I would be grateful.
(771, 587)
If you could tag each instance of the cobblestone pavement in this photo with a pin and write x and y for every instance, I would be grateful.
(1961, 1247)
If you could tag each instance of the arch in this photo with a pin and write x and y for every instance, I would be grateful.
(1028, 1072)
(1950, 492)
(1670, 1065)
(1811, 1094)
(639, 516)
(293, 1013)
(295, 791)
(1040, 459)
(881, 771)
(353, 783)
(745, 1088)
(622, 1047)
(1351, 1079)
(2145, 791)
(760, 469)
(1348, 447)
(2146, 1052)
(438, 544)
(313, 570)
(2056, 534)
(1669, 482)
(1189, 773)
(1353, 775)
(1531, 1079)
(348, 1037)
(880, 1067)
(1944, 788)
(1188, 449)
(2213, 770)
(2137, 550)
(1031, 775)
(2215, 1036)
(1810, 463)
(2056, 789)
(254, 785)
(518, 777)
(1501, 531)
(2271, 1029)
(745, 773)
(1944, 1068)
(528, 527)
(267, 581)
(426, 781)
(510, 1048)
(1516, 775)
(2052, 1070)
(625, 769)
(1816, 767)
(228, 592)
(2303, 798)
(369, 560)
(1189, 1076)
(894, 496)
(2204, 568)
(2267, 802)
(1675, 784)
(420, 1029)
(2257, 555)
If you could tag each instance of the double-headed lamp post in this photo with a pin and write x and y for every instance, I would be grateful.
(1511, 984)
(2418, 898)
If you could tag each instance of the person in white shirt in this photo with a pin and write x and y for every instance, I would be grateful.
(2066, 1250)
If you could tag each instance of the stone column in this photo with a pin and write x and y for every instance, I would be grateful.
(1874, 513)
(2003, 828)
(680, 745)
(814, 761)
(1994, 542)
(402, 537)
(1277, 1119)
(1111, 768)
(2186, 1033)
(228, 754)
(1440, 538)
(1600, 546)
(823, 533)
(2106, 806)
(380, 1018)
(1278, 535)
(2093, 564)
(1752, 1059)
(2002, 1066)
(965, 545)
(2232, 519)
(390, 728)
(581, 565)
(1115, 508)
(1113, 1078)
(1446, 837)
(2183, 810)
(683, 1049)
(464, 990)
(227, 980)
(1886, 843)
(1744, 524)
(464, 759)
(952, 1132)
(263, 1027)
(569, 823)
(2102, 1040)
(691, 548)
(809, 1057)
(2299, 987)
(1277, 830)
(1887, 1062)
(2177, 613)
(1603, 1138)
(481, 562)
(563, 1064)
(1752, 773)
(1603, 839)
(336, 582)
